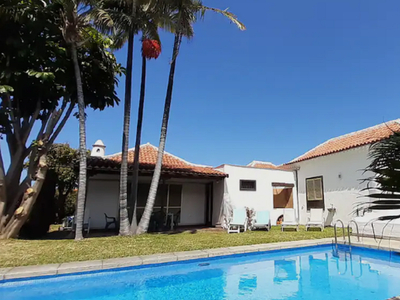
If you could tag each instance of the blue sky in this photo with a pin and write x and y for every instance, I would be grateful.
(303, 72)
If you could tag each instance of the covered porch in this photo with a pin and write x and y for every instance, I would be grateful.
(179, 201)
(188, 195)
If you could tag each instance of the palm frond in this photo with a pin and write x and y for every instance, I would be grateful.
(226, 14)
(119, 38)
(150, 31)
(385, 167)
(389, 218)
(101, 19)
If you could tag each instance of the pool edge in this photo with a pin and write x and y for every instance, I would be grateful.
(83, 267)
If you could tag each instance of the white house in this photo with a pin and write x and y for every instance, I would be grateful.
(329, 176)
(261, 186)
(185, 195)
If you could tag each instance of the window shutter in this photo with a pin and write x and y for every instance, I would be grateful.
(315, 193)
(318, 189)
(310, 190)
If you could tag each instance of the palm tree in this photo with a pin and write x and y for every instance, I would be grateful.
(185, 15)
(384, 168)
(150, 49)
(130, 17)
(77, 30)
(73, 25)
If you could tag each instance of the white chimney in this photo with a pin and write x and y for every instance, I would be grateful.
(99, 149)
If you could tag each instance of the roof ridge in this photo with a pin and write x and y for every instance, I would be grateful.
(130, 149)
(346, 135)
(185, 161)
(165, 153)
(254, 162)
(277, 168)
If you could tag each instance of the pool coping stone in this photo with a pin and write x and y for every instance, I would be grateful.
(115, 263)
(371, 243)
(28, 271)
(79, 266)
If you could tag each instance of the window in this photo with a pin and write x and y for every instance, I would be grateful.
(168, 199)
(247, 185)
(283, 197)
(315, 192)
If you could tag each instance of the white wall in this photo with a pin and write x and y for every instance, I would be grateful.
(193, 204)
(342, 173)
(102, 197)
(262, 198)
(218, 195)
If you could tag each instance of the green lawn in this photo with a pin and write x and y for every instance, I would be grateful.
(46, 251)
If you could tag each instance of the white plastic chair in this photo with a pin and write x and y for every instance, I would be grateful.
(316, 218)
(262, 219)
(289, 219)
(239, 220)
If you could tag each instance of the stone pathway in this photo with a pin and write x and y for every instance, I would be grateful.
(95, 265)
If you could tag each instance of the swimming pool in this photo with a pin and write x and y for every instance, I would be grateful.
(303, 273)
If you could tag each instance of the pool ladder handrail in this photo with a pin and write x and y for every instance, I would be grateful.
(335, 230)
(344, 234)
(348, 232)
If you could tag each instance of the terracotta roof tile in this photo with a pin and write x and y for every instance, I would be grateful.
(266, 165)
(352, 140)
(148, 158)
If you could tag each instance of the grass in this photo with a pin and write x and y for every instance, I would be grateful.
(47, 251)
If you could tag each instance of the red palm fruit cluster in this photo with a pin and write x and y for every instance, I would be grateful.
(151, 49)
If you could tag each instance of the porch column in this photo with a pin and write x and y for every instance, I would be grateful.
(209, 204)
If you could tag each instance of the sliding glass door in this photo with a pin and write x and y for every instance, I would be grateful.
(167, 205)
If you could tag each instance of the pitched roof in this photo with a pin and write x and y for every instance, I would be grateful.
(352, 140)
(265, 165)
(147, 161)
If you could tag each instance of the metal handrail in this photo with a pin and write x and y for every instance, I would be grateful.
(335, 230)
(348, 232)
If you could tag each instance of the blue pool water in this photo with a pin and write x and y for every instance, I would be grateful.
(307, 273)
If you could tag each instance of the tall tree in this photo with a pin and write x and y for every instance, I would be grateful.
(77, 29)
(63, 161)
(35, 59)
(51, 204)
(185, 14)
(150, 49)
(130, 17)
(72, 27)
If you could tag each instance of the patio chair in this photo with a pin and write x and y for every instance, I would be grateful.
(262, 220)
(86, 226)
(110, 221)
(239, 220)
(289, 219)
(67, 223)
(316, 218)
(177, 218)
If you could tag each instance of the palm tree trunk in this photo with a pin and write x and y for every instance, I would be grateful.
(135, 175)
(80, 203)
(3, 193)
(145, 220)
(123, 193)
